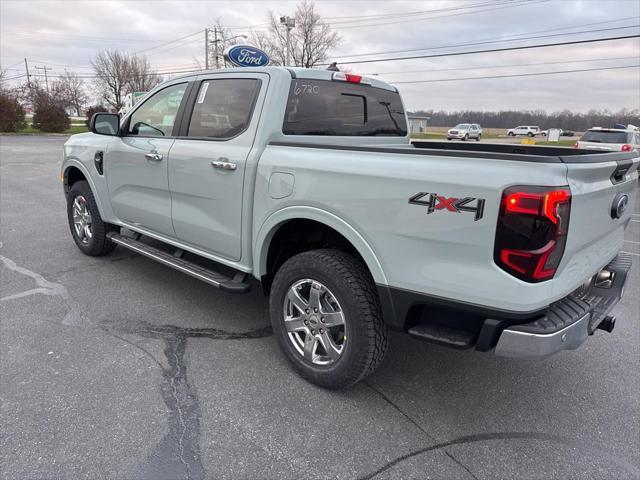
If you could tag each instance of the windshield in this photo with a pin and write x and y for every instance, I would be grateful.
(326, 107)
(462, 126)
(604, 136)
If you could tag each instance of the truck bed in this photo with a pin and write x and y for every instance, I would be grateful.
(494, 151)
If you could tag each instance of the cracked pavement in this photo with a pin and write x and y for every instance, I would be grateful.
(119, 367)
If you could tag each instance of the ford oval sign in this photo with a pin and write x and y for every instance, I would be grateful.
(246, 56)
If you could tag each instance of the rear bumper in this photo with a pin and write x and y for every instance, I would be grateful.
(569, 322)
(563, 325)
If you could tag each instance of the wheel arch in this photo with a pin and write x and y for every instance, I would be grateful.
(74, 172)
(319, 220)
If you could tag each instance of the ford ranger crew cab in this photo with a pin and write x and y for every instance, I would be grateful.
(307, 181)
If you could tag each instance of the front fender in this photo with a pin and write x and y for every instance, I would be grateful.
(106, 213)
(272, 223)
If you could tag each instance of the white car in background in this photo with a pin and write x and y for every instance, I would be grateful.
(529, 131)
(610, 139)
(465, 131)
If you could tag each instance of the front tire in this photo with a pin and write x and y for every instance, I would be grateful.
(87, 228)
(530, 134)
(466, 137)
(326, 315)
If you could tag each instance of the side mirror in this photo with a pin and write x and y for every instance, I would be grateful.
(105, 124)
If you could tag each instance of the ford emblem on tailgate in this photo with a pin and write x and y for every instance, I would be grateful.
(619, 205)
(246, 56)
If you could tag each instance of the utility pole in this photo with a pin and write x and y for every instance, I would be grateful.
(46, 79)
(206, 48)
(217, 52)
(26, 67)
(290, 24)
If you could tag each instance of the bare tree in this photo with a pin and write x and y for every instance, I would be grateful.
(112, 71)
(118, 74)
(142, 78)
(72, 89)
(310, 40)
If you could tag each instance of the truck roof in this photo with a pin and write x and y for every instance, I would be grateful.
(293, 72)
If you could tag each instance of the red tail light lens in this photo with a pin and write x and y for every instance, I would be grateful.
(349, 77)
(626, 147)
(532, 230)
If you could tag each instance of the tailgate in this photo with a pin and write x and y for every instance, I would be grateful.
(604, 188)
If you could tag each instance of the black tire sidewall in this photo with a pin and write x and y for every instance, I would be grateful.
(342, 372)
(98, 244)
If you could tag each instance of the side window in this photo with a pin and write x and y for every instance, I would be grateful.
(223, 107)
(156, 116)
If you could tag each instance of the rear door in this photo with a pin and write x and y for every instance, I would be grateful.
(208, 161)
(136, 163)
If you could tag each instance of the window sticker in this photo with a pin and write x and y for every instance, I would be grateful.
(203, 92)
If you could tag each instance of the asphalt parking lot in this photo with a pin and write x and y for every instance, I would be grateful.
(119, 367)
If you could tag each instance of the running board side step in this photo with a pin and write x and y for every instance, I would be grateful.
(232, 285)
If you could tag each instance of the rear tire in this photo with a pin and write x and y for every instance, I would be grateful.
(344, 287)
(530, 134)
(511, 134)
(87, 228)
(478, 138)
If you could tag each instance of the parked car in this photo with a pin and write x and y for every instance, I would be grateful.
(522, 261)
(567, 133)
(465, 131)
(523, 130)
(610, 139)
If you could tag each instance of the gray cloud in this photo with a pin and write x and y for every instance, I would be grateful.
(68, 34)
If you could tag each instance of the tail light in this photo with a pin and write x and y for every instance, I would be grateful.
(626, 148)
(576, 145)
(532, 231)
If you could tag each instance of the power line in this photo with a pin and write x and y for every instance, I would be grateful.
(515, 75)
(357, 18)
(491, 50)
(501, 7)
(481, 67)
(170, 42)
(501, 39)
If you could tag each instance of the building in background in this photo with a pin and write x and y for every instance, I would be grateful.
(417, 124)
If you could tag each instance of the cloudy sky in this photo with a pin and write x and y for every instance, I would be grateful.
(67, 34)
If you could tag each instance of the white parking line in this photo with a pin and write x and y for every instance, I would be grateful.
(631, 253)
(637, 221)
(631, 241)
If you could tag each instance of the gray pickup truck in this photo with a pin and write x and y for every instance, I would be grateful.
(308, 181)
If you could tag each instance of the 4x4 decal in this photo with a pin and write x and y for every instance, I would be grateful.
(435, 202)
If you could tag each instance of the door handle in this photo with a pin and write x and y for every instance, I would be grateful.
(223, 164)
(153, 156)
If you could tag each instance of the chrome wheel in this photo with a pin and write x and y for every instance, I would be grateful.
(314, 322)
(82, 219)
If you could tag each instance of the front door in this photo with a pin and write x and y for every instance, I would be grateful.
(136, 164)
(207, 165)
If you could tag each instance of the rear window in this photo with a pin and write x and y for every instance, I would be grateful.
(325, 107)
(603, 136)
